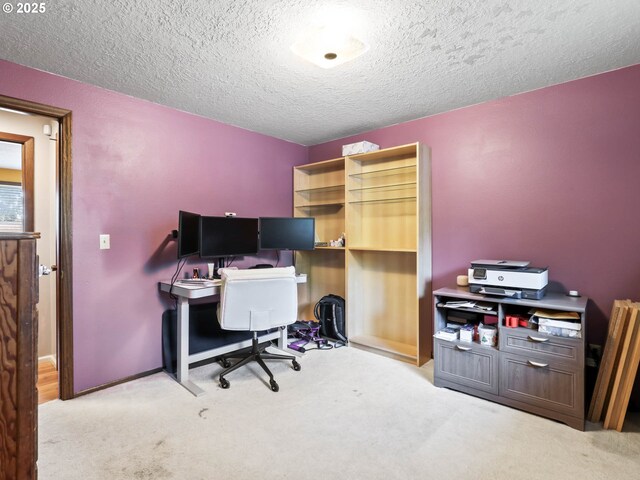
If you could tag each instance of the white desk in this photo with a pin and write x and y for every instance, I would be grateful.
(186, 292)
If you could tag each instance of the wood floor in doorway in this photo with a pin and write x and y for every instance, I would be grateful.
(47, 382)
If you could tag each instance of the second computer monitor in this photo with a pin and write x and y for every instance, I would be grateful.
(228, 236)
(286, 233)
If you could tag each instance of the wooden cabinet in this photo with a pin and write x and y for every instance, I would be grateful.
(475, 366)
(381, 200)
(530, 342)
(18, 365)
(527, 369)
(547, 384)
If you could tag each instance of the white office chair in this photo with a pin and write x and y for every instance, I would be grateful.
(256, 300)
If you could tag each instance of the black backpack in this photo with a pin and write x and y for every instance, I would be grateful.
(330, 312)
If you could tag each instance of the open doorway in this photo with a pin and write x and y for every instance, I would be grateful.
(28, 179)
(59, 133)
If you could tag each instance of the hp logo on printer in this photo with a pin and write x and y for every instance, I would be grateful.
(501, 278)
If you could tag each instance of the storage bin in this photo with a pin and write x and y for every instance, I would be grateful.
(488, 335)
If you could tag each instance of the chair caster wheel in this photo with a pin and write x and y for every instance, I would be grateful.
(296, 366)
(224, 383)
(274, 386)
(225, 363)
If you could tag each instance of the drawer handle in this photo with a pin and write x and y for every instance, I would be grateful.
(538, 365)
(464, 349)
(538, 339)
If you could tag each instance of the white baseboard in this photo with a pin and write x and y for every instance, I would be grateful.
(49, 358)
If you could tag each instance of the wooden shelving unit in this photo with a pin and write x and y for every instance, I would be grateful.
(318, 191)
(382, 201)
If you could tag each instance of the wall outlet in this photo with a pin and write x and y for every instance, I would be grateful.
(105, 241)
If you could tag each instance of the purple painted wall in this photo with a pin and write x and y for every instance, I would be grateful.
(549, 176)
(135, 164)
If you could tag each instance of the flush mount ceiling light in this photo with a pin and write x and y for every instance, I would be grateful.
(328, 47)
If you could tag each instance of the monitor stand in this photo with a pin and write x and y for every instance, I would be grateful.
(219, 263)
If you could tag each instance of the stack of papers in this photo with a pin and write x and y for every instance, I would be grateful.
(461, 304)
(561, 324)
(556, 314)
(469, 304)
(447, 334)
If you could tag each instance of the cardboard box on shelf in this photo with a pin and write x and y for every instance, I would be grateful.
(359, 147)
(466, 333)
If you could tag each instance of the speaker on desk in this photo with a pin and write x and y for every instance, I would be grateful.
(204, 333)
(169, 319)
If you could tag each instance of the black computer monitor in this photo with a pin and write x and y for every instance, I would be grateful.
(188, 233)
(228, 236)
(286, 233)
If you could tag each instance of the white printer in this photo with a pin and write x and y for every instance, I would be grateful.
(508, 278)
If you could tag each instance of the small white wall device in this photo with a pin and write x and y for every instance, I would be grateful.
(105, 241)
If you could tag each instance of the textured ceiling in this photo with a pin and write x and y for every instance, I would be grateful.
(230, 59)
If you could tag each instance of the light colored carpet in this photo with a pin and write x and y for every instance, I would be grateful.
(348, 414)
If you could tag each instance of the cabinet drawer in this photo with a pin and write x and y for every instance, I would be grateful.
(530, 341)
(472, 365)
(555, 386)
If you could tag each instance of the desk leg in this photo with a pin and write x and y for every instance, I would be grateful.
(283, 344)
(182, 367)
(282, 339)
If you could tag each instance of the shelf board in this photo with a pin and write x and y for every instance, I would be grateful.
(409, 150)
(384, 200)
(388, 186)
(321, 204)
(536, 333)
(327, 188)
(329, 248)
(396, 348)
(466, 344)
(385, 172)
(333, 164)
(382, 249)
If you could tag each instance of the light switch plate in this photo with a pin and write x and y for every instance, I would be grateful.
(105, 241)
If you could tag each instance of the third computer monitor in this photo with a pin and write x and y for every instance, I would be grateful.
(286, 233)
